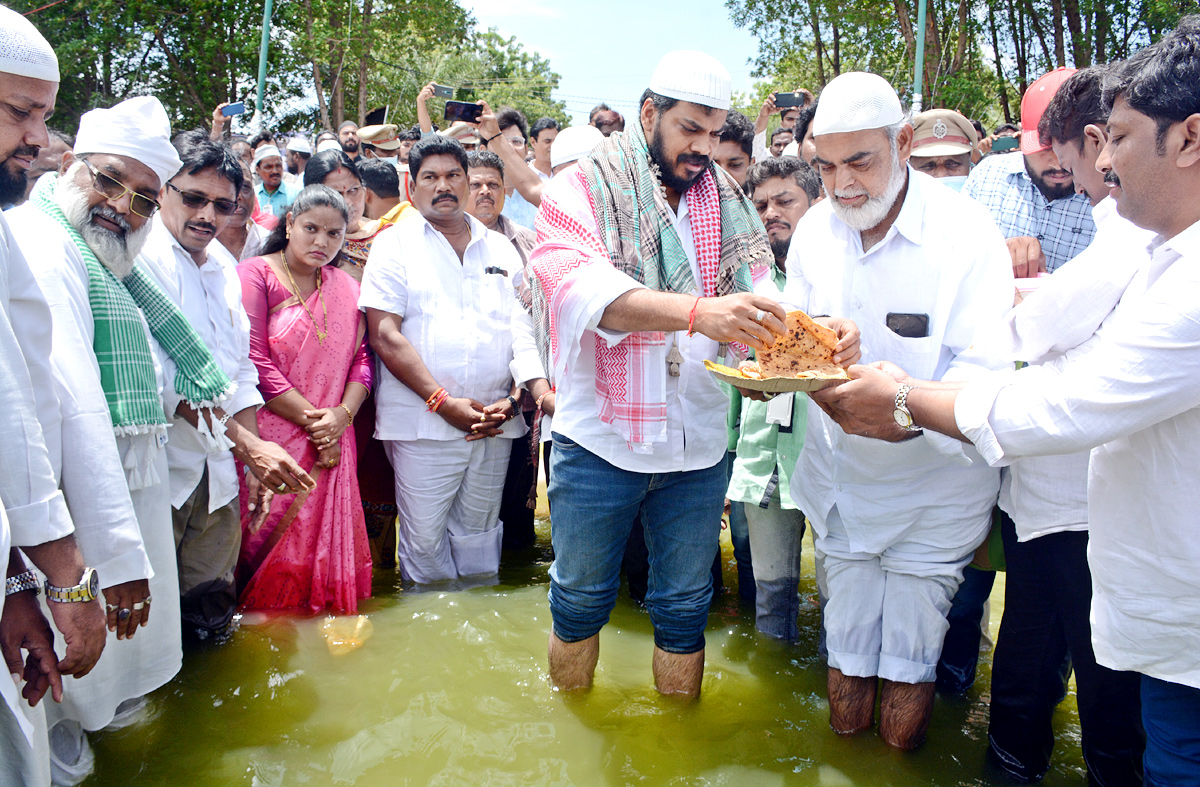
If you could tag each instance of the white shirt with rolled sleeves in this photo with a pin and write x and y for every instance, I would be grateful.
(455, 313)
(1048, 494)
(210, 297)
(942, 257)
(696, 405)
(1130, 395)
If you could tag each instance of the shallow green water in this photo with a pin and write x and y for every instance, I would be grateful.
(453, 690)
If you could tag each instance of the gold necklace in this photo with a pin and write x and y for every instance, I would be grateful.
(321, 334)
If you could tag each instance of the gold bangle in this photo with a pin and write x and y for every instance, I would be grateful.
(349, 414)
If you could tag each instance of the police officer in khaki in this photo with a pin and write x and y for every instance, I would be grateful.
(942, 143)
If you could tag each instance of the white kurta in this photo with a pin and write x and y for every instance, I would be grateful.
(36, 509)
(123, 537)
(24, 760)
(696, 404)
(1048, 494)
(1130, 394)
(942, 257)
(210, 297)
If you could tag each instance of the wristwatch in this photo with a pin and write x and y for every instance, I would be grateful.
(87, 589)
(902, 414)
(26, 580)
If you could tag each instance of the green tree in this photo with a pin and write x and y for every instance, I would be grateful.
(191, 55)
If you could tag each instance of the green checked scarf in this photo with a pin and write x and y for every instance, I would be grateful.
(122, 350)
(637, 231)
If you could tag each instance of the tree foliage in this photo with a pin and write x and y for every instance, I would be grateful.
(980, 55)
(329, 60)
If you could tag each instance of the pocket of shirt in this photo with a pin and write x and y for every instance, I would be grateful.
(917, 356)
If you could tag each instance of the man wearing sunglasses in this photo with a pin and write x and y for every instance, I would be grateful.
(200, 277)
(85, 225)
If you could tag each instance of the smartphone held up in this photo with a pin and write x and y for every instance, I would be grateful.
(464, 111)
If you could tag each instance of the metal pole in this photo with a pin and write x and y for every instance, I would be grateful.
(262, 62)
(919, 69)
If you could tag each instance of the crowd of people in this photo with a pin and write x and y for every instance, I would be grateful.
(243, 373)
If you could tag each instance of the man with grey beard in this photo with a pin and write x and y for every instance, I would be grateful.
(923, 271)
(85, 226)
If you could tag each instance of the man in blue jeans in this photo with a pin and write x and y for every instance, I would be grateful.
(641, 272)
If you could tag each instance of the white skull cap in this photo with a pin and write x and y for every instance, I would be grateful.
(137, 128)
(856, 101)
(688, 75)
(574, 143)
(23, 50)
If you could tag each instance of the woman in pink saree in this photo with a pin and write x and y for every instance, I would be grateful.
(307, 338)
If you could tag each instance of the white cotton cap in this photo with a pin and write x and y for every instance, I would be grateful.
(693, 76)
(856, 101)
(791, 149)
(265, 152)
(574, 143)
(328, 144)
(23, 50)
(137, 128)
(299, 145)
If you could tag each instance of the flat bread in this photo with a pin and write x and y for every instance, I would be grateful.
(806, 350)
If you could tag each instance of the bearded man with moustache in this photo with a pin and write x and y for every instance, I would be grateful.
(642, 272)
(86, 225)
(924, 273)
(438, 295)
(1032, 197)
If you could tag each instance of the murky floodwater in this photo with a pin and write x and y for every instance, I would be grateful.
(452, 689)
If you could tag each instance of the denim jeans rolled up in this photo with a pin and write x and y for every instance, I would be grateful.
(595, 505)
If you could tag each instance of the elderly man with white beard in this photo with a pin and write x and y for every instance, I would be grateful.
(85, 226)
(922, 271)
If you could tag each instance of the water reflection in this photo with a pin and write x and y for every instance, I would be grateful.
(452, 689)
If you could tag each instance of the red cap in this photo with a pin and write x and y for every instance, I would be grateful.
(1033, 106)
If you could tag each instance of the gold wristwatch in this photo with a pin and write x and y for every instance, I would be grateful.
(88, 589)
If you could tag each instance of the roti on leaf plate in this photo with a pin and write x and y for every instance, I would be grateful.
(800, 360)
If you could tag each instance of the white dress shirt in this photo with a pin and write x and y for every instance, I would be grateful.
(696, 405)
(37, 511)
(455, 313)
(1129, 394)
(942, 257)
(1048, 494)
(210, 297)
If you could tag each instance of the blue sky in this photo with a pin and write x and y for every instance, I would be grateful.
(607, 50)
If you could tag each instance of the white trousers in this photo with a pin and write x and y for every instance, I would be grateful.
(24, 763)
(886, 613)
(448, 495)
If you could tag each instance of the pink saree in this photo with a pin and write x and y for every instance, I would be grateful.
(311, 550)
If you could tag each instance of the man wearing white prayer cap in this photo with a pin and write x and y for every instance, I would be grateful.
(86, 225)
(38, 520)
(641, 274)
(924, 273)
(275, 194)
(572, 144)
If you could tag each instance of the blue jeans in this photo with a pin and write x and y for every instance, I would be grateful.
(595, 505)
(1171, 716)
(960, 648)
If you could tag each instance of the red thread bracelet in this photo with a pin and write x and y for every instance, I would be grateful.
(692, 318)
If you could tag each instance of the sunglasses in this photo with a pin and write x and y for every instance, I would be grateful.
(194, 201)
(114, 189)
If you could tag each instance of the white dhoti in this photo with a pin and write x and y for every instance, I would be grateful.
(133, 667)
(886, 613)
(448, 495)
